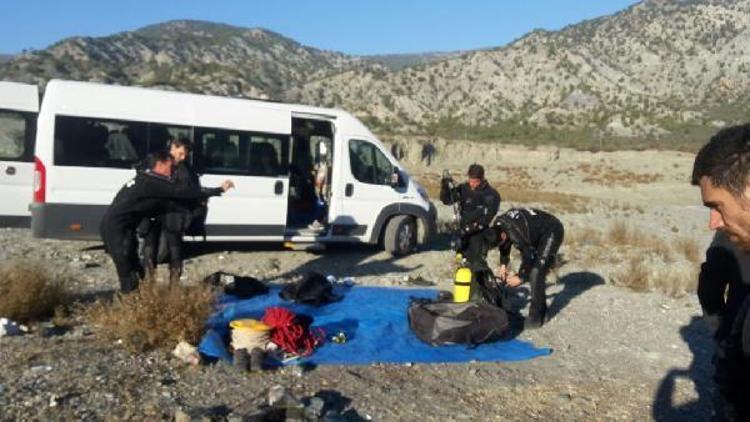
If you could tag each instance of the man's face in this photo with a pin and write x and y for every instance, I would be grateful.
(729, 213)
(474, 183)
(163, 168)
(178, 153)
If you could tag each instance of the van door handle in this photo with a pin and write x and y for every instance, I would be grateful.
(349, 189)
(10, 171)
(278, 188)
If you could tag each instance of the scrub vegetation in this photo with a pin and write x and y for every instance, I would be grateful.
(155, 316)
(28, 292)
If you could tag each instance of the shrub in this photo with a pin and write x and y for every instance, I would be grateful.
(634, 276)
(156, 316)
(28, 292)
(690, 248)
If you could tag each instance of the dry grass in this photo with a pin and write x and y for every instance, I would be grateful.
(586, 236)
(611, 176)
(156, 316)
(29, 293)
(634, 276)
(678, 284)
(520, 193)
(690, 248)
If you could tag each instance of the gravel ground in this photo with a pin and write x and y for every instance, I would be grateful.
(616, 355)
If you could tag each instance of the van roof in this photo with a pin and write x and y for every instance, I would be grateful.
(116, 101)
(18, 96)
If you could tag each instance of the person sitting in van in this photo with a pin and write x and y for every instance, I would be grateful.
(182, 216)
(147, 195)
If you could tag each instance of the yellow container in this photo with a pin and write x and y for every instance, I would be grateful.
(249, 324)
(462, 285)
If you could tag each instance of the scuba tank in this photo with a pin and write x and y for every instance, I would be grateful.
(463, 276)
(462, 284)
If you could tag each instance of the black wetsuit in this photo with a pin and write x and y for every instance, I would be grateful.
(182, 217)
(722, 291)
(146, 195)
(538, 236)
(477, 209)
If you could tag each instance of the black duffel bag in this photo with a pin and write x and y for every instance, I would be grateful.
(469, 323)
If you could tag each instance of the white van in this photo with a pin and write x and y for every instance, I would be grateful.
(90, 135)
(19, 105)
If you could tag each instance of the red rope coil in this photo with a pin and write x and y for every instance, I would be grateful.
(288, 334)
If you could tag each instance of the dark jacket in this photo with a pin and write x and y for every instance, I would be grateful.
(721, 288)
(527, 229)
(477, 207)
(188, 216)
(148, 195)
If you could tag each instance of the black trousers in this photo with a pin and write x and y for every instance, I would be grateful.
(122, 245)
(159, 232)
(547, 249)
(474, 248)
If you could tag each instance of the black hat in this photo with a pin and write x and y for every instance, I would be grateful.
(476, 171)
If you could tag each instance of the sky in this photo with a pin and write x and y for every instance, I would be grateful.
(349, 26)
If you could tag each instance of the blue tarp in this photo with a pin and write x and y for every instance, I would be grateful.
(375, 322)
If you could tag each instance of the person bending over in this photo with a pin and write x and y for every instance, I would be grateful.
(148, 194)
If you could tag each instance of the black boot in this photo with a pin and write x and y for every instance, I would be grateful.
(175, 272)
(538, 307)
(537, 317)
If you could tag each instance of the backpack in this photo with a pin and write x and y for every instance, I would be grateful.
(313, 289)
(446, 323)
(243, 287)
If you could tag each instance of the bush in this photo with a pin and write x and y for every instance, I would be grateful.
(28, 292)
(156, 316)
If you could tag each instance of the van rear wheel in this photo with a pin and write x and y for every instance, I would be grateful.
(400, 235)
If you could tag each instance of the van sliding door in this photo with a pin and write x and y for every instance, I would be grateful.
(258, 164)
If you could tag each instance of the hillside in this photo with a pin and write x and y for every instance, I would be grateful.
(190, 56)
(657, 68)
(671, 70)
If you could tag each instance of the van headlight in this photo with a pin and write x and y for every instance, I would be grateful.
(423, 193)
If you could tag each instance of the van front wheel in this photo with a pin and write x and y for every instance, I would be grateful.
(400, 235)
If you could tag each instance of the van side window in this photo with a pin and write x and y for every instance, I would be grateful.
(368, 163)
(12, 135)
(266, 156)
(89, 142)
(159, 135)
(241, 153)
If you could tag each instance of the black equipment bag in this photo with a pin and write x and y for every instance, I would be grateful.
(244, 287)
(313, 289)
(445, 323)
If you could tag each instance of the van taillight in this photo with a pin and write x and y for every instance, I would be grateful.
(40, 181)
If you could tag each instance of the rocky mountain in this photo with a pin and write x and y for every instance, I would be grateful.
(661, 68)
(5, 57)
(190, 56)
(401, 61)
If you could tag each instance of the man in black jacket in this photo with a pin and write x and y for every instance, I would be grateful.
(183, 216)
(538, 236)
(722, 289)
(478, 203)
(147, 195)
(722, 172)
